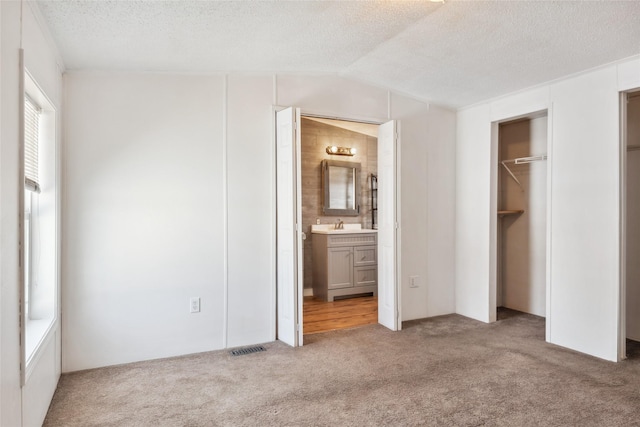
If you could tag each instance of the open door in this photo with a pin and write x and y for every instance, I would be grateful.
(387, 226)
(289, 234)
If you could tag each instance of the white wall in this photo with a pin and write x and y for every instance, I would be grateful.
(28, 405)
(10, 349)
(332, 96)
(633, 222)
(427, 206)
(170, 194)
(143, 220)
(473, 213)
(585, 201)
(584, 162)
(251, 210)
(441, 208)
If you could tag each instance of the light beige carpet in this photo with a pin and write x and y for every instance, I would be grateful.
(445, 371)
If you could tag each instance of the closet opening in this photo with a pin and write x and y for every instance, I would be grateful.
(339, 219)
(521, 241)
(630, 194)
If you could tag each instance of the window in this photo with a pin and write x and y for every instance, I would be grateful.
(31, 125)
(40, 220)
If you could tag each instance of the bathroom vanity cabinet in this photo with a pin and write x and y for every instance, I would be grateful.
(345, 264)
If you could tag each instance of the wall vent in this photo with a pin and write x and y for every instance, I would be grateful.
(247, 350)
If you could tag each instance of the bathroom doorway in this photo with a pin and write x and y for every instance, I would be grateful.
(521, 220)
(630, 236)
(292, 234)
(346, 296)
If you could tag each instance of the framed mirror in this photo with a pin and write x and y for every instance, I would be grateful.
(340, 188)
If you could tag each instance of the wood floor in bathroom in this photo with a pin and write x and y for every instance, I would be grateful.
(322, 316)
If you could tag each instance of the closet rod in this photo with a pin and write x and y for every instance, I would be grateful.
(521, 161)
(633, 147)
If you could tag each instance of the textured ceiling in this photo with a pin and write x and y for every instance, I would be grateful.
(453, 54)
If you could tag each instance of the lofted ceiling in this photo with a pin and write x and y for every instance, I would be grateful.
(453, 54)
(357, 127)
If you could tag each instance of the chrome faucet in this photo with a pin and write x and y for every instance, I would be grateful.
(339, 225)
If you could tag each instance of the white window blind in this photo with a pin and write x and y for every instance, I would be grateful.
(31, 125)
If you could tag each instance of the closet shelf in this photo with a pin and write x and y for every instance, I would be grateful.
(510, 212)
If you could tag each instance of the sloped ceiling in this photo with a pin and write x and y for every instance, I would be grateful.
(453, 54)
(357, 127)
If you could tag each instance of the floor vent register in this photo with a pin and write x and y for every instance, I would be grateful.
(247, 350)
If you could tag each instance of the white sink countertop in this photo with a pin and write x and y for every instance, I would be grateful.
(348, 229)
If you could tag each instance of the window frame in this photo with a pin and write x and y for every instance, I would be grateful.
(37, 334)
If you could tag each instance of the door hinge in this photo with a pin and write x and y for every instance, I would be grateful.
(397, 226)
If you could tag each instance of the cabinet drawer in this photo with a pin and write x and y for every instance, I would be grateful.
(365, 275)
(364, 255)
(355, 239)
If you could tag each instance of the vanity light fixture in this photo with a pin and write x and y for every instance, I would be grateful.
(341, 151)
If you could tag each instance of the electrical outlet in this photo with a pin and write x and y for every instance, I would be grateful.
(195, 304)
(413, 281)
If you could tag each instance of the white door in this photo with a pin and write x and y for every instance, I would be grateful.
(289, 245)
(387, 226)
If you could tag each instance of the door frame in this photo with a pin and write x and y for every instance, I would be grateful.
(622, 309)
(310, 113)
(622, 297)
(493, 268)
